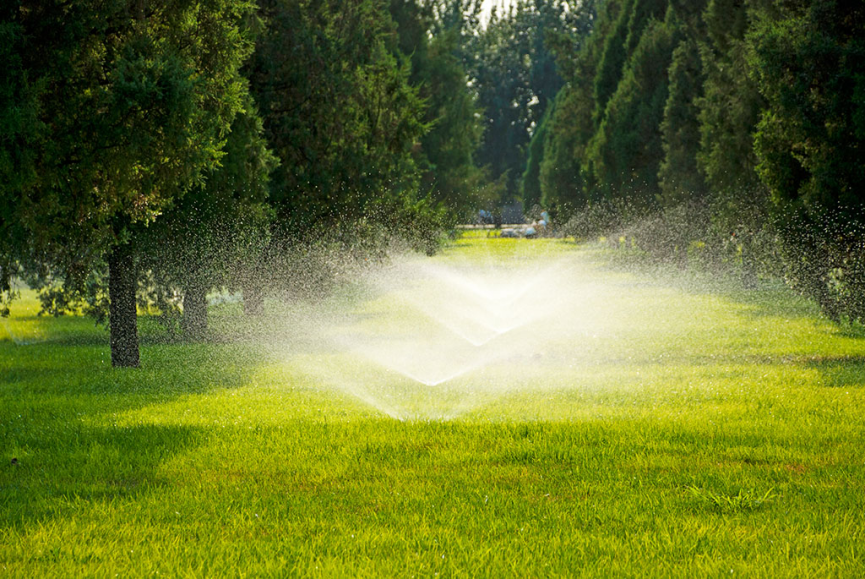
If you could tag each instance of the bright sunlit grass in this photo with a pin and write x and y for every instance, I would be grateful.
(683, 428)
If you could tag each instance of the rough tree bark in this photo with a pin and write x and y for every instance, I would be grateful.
(253, 300)
(122, 315)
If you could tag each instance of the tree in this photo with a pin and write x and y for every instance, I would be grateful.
(447, 150)
(207, 238)
(530, 184)
(806, 59)
(571, 123)
(516, 78)
(619, 45)
(679, 176)
(132, 100)
(730, 105)
(338, 109)
(571, 127)
(19, 129)
(625, 154)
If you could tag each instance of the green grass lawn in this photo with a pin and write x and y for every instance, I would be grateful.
(673, 427)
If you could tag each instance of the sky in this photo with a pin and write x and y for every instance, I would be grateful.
(488, 6)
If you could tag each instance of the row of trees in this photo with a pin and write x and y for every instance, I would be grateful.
(111, 111)
(150, 148)
(751, 110)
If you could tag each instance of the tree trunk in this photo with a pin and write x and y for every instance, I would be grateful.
(749, 267)
(122, 315)
(253, 300)
(194, 320)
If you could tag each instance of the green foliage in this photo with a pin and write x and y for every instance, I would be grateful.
(419, 223)
(446, 151)
(530, 184)
(129, 121)
(626, 152)
(571, 125)
(338, 109)
(730, 105)
(679, 177)
(808, 66)
(807, 59)
(18, 128)
(612, 58)
(569, 129)
(207, 238)
(131, 105)
(516, 79)
(619, 46)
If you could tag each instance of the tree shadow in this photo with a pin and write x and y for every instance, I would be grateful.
(61, 464)
(57, 406)
(840, 372)
(767, 298)
(167, 371)
(58, 401)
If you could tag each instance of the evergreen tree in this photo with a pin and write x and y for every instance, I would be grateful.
(447, 150)
(730, 106)
(568, 130)
(626, 152)
(338, 109)
(807, 61)
(571, 124)
(612, 60)
(132, 101)
(619, 45)
(19, 131)
(210, 235)
(516, 80)
(530, 184)
(679, 177)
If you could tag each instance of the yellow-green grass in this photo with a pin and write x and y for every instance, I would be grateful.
(688, 431)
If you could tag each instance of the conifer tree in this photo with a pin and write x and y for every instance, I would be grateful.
(210, 235)
(807, 61)
(571, 125)
(679, 177)
(446, 153)
(730, 106)
(338, 109)
(626, 152)
(131, 101)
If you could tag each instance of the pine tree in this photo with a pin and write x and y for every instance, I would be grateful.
(626, 152)
(679, 177)
(446, 152)
(807, 61)
(339, 111)
(132, 101)
(730, 106)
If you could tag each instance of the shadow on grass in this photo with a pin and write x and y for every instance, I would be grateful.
(77, 330)
(166, 371)
(840, 372)
(770, 298)
(57, 402)
(62, 464)
(26, 331)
